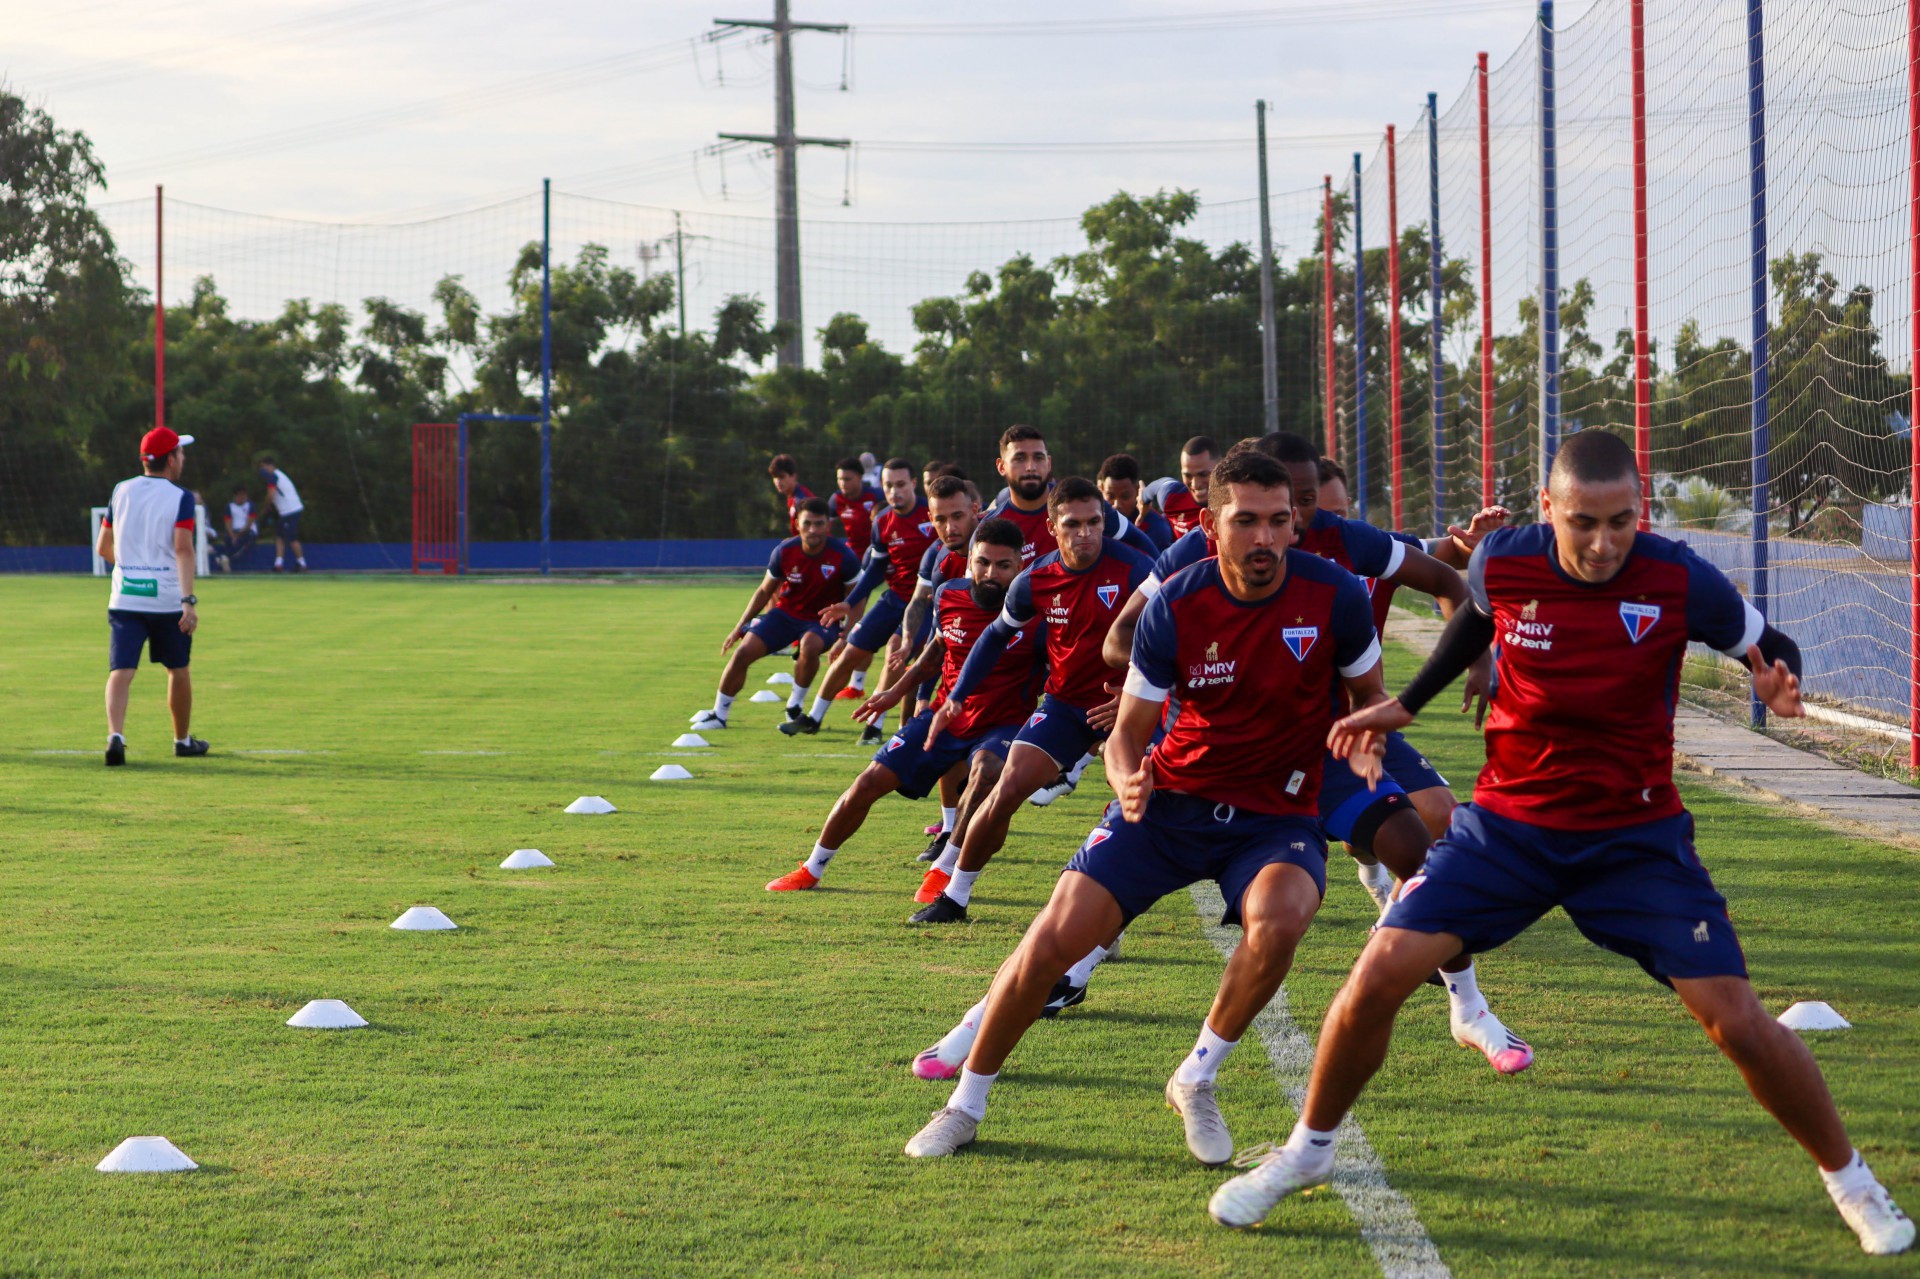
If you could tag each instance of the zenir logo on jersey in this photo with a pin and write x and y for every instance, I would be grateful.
(1301, 640)
(1639, 619)
(1107, 594)
(1210, 670)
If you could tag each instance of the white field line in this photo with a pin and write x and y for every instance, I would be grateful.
(1388, 1224)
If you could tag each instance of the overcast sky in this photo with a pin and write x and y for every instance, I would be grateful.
(346, 109)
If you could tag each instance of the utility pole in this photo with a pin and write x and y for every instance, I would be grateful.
(786, 143)
(680, 272)
(1269, 359)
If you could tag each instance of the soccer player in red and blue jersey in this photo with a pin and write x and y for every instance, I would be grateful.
(1077, 591)
(918, 757)
(1181, 500)
(804, 575)
(1119, 481)
(1255, 645)
(785, 473)
(1589, 621)
(853, 503)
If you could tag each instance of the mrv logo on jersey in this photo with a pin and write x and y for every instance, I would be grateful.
(1210, 670)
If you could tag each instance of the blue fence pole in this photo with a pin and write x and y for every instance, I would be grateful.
(1757, 165)
(1359, 354)
(546, 376)
(1549, 252)
(1436, 357)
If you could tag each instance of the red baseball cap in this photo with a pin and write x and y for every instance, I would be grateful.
(160, 441)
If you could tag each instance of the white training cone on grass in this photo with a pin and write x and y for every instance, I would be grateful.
(422, 919)
(691, 739)
(591, 804)
(327, 1014)
(526, 859)
(670, 773)
(1813, 1014)
(780, 677)
(146, 1154)
(766, 695)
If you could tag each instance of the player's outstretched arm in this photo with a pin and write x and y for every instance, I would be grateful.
(1129, 767)
(917, 609)
(1117, 648)
(761, 594)
(1456, 548)
(1775, 661)
(1468, 635)
(920, 672)
(1422, 572)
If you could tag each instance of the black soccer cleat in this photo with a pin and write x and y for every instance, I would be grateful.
(116, 752)
(794, 713)
(801, 724)
(933, 850)
(874, 736)
(192, 746)
(1065, 995)
(944, 910)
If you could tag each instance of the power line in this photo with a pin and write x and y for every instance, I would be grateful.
(1304, 15)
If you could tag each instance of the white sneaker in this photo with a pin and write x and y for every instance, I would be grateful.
(1247, 1199)
(707, 719)
(1378, 881)
(945, 1133)
(1207, 1137)
(1883, 1229)
(1505, 1051)
(1113, 951)
(1047, 794)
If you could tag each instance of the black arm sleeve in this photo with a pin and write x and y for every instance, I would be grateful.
(1778, 646)
(1468, 634)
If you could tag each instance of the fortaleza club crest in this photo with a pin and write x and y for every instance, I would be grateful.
(1038, 716)
(1301, 640)
(826, 570)
(926, 529)
(1098, 835)
(1640, 618)
(1107, 594)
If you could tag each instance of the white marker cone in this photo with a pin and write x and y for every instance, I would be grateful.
(526, 859)
(670, 773)
(146, 1154)
(327, 1014)
(1813, 1014)
(423, 919)
(780, 677)
(591, 804)
(691, 739)
(766, 695)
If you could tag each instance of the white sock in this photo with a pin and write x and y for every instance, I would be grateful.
(1463, 993)
(303, 561)
(278, 562)
(880, 724)
(970, 1094)
(819, 712)
(722, 703)
(949, 816)
(817, 864)
(797, 696)
(1310, 1146)
(1203, 1063)
(949, 858)
(1073, 774)
(182, 741)
(1850, 1180)
(960, 887)
(958, 1042)
(859, 681)
(116, 737)
(1080, 972)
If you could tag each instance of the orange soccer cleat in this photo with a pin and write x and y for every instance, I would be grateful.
(932, 886)
(794, 881)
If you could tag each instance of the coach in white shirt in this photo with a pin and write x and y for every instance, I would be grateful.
(283, 499)
(148, 538)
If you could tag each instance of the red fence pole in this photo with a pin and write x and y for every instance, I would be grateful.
(159, 307)
(1913, 407)
(1642, 368)
(1326, 314)
(1486, 296)
(1393, 323)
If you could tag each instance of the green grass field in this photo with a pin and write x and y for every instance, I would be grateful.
(640, 1063)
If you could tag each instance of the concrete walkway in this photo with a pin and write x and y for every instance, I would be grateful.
(1811, 785)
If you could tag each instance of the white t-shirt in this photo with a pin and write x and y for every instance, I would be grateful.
(286, 498)
(239, 515)
(144, 512)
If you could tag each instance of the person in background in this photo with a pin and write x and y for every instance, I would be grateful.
(283, 499)
(785, 473)
(1119, 481)
(241, 535)
(870, 469)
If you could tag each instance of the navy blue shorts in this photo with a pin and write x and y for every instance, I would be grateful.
(1344, 797)
(920, 766)
(158, 633)
(778, 628)
(1184, 839)
(1060, 730)
(1407, 766)
(289, 526)
(1639, 891)
(876, 626)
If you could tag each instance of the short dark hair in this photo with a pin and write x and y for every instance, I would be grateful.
(1075, 488)
(1331, 470)
(814, 506)
(1121, 466)
(1246, 466)
(933, 466)
(947, 486)
(1001, 532)
(1200, 444)
(1287, 448)
(897, 464)
(265, 459)
(782, 464)
(241, 488)
(850, 464)
(938, 469)
(973, 490)
(1019, 432)
(1594, 456)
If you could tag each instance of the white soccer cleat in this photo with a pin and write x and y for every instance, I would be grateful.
(1378, 881)
(707, 720)
(1207, 1137)
(1047, 794)
(1505, 1051)
(1883, 1229)
(1247, 1199)
(945, 1133)
(1113, 951)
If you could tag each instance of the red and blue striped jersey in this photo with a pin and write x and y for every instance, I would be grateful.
(1078, 608)
(1007, 693)
(904, 539)
(800, 494)
(856, 516)
(808, 583)
(1176, 501)
(1369, 553)
(940, 565)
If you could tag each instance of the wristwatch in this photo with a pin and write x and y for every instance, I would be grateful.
(190, 599)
